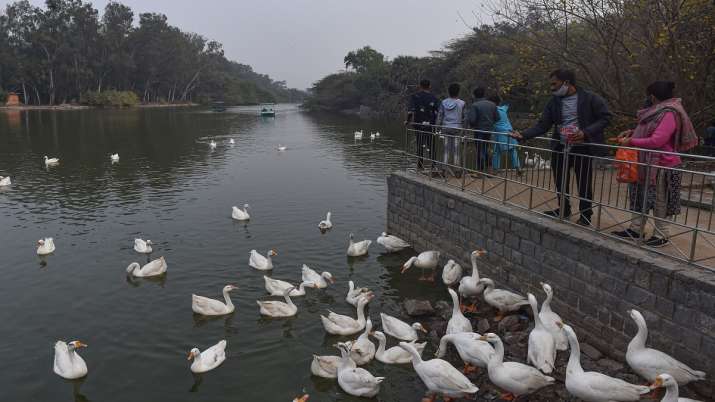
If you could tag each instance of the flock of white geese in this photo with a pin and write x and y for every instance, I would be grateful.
(548, 336)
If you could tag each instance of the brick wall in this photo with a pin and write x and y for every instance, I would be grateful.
(595, 280)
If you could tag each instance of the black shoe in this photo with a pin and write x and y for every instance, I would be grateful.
(556, 213)
(627, 234)
(656, 242)
(584, 220)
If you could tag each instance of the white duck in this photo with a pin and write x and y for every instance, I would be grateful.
(240, 214)
(68, 363)
(649, 363)
(439, 376)
(358, 249)
(279, 309)
(338, 324)
(326, 224)
(355, 294)
(356, 381)
(396, 354)
(377, 134)
(542, 347)
(153, 268)
(231, 141)
(392, 243)
(143, 247)
(259, 262)
(451, 273)
(515, 378)
(358, 135)
(5, 181)
(281, 147)
(327, 366)
(209, 359)
(474, 352)
(549, 319)
(114, 158)
(469, 286)
(51, 161)
(671, 389)
(502, 299)
(399, 329)
(458, 322)
(276, 287)
(592, 386)
(424, 260)
(309, 275)
(45, 246)
(211, 307)
(212, 144)
(372, 136)
(529, 161)
(363, 350)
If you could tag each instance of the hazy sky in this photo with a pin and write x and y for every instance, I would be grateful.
(301, 41)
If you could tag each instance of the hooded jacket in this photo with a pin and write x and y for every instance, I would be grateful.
(451, 113)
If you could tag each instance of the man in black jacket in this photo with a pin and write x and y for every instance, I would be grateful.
(421, 116)
(577, 117)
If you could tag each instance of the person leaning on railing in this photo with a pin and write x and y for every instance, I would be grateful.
(663, 125)
(577, 116)
(421, 116)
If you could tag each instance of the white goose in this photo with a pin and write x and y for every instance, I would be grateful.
(326, 224)
(211, 307)
(501, 299)
(68, 363)
(309, 275)
(212, 144)
(469, 286)
(5, 181)
(143, 247)
(549, 319)
(358, 135)
(358, 249)
(399, 329)
(153, 268)
(671, 389)
(51, 161)
(363, 350)
(276, 287)
(355, 294)
(451, 273)
(45, 246)
(114, 158)
(356, 381)
(439, 376)
(209, 359)
(281, 148)
(542, 347)
(327, 366)
(232, 141)
(279, 309)
(474, 352)
(372, 136)
(338, 324)
(529, 161)
(424, 260)
(592, 386)
(240, 214)
(649, 363)
(392, 243)
(259, 262)
(396, 354)
(458, 322)
(515, 378)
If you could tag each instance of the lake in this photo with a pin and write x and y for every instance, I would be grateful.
(170, 187)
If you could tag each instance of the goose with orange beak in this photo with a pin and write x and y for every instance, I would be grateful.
(671, 388)
(68, 363)
(424, 260)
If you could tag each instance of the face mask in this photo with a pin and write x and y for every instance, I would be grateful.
(561, 91)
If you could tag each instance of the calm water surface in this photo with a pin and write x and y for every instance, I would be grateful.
(170, 187)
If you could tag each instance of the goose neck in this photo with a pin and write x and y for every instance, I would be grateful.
(638, 341)
(497, 358)
(227, 297)
(574, 364)
(475, 271)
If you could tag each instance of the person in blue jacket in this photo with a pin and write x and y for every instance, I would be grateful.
(504, 142)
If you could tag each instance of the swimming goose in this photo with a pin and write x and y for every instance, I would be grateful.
(209, 359)
(326, 224)
(358, 135)
(515, 378)
(474, 352)
(114, 158)
(356, 381)
(396, 354)
(231, 141)
(363, 350)
(309, 275)
(501, 299)
(671, 389)
(469, 286)
(327, 366)
(358, 249)
(592, 386)
(211, 307)
(549, 319)
(5, 181)
(392, 243)
(212, 144)
(276, 287)
(372, 136)
(273, 308)
(281, 147)
(338, 324)
(68, 363)
(259, 262)
(45, 246)
(424, 260)
(451, 273)
(377, 134)
(458, 322)
(51, 161)
(399, 329)
(439, 376)
(153, 268)
(649, 363)
(354, 295)
(542, 347)
(240, 214)
(142, 247)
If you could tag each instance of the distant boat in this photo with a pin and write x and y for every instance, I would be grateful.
(267, 109)
(218, 106)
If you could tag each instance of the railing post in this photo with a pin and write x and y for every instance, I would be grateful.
(644, 202)
(463, 151)
(565, 176)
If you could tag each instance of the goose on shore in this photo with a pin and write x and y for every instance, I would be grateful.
(549, 319)
(68, 363)
(209, 359)
(469, 286)
(439, 376)
(392, 243)
(458, 322)
(451, 273)
(671, 389)
(424, 260)
(502, 299)
(358, 135)
(542, 347)
(211, 307)
(474, 352)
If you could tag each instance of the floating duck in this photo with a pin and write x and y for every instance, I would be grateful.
(212, 144)
(356, 381)
(338, 324)
(51, 161)
(231, 141)
(399, 329)
(357, 249)
(5, 181)
(45, 246)
(209, 359)
(276, 287)
(279, 309)
(396, 354)
(142, 247)
(281, 147)
(210, 307)
(392, 243)
(68, 363)
(240, 214)
(355, 294)
(363, 350)
(320, 280)
(261, 263)
(114, 158)
(326, 224)
(154, 268)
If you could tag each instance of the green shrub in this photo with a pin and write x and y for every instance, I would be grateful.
(110, 98)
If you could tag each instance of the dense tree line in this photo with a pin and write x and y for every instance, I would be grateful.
(616, 47)
(66, 50)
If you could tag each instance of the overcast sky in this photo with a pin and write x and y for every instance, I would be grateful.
(301, 41)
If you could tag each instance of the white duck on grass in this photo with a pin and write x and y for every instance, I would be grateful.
(68, 363)
(273, 308)
(355, 294)
(671, 389)
(424, 260)
(356, 381)
(240, 214)
(357, 249)
(338, 324)
(154, 268)
(211, 307)
(469, 286)
(503, 300)
(143, 247)
(326, 224)
(395, 354)
(549, 319)
(458, 322)
(392, 243)
(451, 273)
(45, 246)
(474, 352)
(276, 287)
(399, 329)
(363, 350)
(542, 347)
(261, 263)
(209, 359)
(320, 280)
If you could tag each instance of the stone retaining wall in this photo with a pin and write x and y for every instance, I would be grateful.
(595, 280)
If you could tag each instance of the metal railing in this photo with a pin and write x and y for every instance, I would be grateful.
(543, 176)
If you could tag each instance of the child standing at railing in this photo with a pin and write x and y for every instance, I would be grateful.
(505, 143)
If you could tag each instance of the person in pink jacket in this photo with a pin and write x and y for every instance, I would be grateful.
(662, 126)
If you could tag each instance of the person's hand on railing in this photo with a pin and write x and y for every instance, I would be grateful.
(577, 136)
(517, 135)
